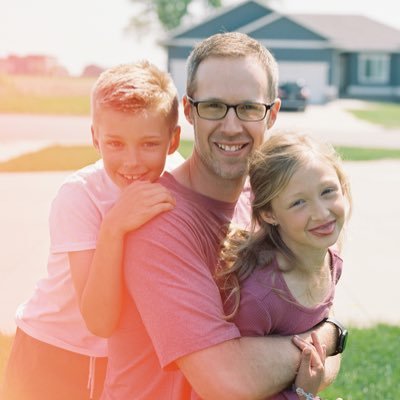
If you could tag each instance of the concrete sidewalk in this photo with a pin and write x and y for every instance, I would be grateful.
(367, 293)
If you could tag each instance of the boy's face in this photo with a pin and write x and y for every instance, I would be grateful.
(133, 147)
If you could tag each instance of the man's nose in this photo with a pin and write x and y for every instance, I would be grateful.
(231, 124)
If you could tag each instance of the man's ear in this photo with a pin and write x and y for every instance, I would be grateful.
(175, 140)
(273, 113)
(187, 109)
(94, 139)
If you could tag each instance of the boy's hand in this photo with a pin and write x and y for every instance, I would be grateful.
(138, 203)
(312, 366)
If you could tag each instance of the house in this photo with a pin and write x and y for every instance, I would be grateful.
(336, 55)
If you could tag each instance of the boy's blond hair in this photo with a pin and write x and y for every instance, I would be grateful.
(134, 88)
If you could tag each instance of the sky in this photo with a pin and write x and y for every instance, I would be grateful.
(82, 32)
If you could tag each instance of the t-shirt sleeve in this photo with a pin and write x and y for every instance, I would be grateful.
(168, 277)
(74, 220)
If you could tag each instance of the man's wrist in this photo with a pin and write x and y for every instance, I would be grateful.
(341, 335)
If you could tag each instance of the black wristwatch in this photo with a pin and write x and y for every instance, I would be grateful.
(343, 334)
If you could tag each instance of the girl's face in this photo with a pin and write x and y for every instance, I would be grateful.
(310, 211)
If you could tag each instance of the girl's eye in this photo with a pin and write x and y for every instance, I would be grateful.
(328, 191)
(297, 203)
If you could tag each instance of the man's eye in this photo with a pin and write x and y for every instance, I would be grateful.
(249, 107)
(213, 105)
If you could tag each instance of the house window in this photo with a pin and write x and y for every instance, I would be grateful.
(373, 68)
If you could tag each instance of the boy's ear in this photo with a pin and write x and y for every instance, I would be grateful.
(94, 139)
(175, 139)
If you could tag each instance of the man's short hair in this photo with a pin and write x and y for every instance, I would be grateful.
(232, 45)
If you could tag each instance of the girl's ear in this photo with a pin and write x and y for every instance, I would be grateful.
(269, 218)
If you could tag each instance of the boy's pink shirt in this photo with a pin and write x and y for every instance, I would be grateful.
(52, 315)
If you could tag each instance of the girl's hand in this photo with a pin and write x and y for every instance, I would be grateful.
(312, 366)
(138, 203)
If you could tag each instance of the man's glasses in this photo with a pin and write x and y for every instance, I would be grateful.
(215, 110)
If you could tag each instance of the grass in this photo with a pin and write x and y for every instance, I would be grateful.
(370, 367)
(5, 346)
(64, 158)
(370, 370)
(45, 95)
(367, 154)
(385, 114)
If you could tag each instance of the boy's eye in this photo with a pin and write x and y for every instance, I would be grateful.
(150, 144)
(114, 143)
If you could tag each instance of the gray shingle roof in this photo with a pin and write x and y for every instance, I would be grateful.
(351, 32)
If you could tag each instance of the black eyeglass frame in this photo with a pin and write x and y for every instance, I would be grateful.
(228, 106)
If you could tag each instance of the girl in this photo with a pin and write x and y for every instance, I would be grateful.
(279, 278)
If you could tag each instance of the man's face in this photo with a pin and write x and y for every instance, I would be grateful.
(223, 146)
(133, 147)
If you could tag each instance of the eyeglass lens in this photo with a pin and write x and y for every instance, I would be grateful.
(245, 111)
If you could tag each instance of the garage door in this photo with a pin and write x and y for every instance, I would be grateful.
(314, 74)
(178, 73)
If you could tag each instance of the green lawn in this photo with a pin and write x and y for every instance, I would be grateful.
(64, 158)
(370, 367)
(385, 114)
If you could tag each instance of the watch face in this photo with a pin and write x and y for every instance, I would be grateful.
(342, 341)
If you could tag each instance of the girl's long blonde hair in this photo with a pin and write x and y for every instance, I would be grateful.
(270, 169)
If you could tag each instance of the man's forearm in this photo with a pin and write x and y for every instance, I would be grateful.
(245, 368)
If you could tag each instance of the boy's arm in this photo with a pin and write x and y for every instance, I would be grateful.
(97, 274)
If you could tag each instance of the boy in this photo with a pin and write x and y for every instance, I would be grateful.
(134, 128)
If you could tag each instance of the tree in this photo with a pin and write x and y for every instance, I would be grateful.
(169, 12)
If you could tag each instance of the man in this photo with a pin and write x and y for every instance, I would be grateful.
(172, 334)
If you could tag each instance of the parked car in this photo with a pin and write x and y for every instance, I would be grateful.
(294, 95)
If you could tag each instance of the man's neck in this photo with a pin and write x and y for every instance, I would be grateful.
(203, 181)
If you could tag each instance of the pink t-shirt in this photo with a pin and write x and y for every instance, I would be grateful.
(267, 307)
(52, 314)
(172, 305)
